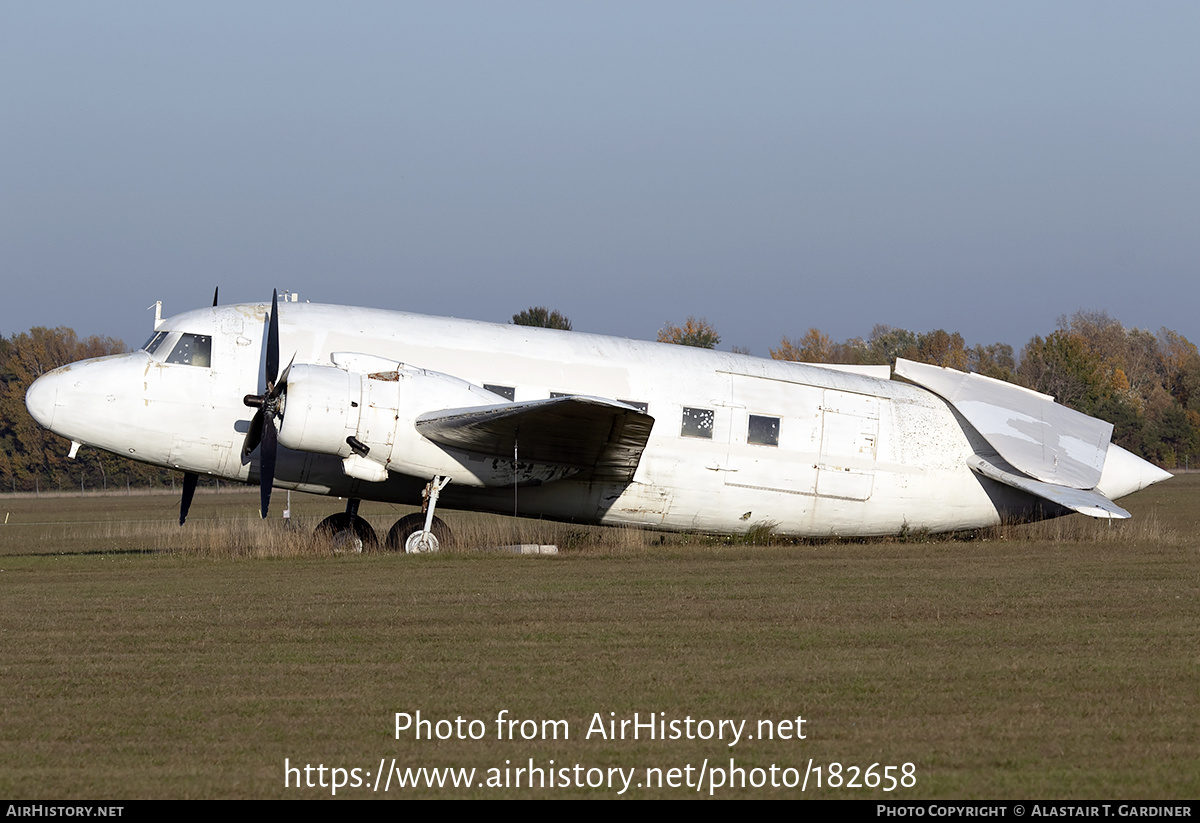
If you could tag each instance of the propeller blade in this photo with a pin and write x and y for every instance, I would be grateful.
(215, 290)
(262, 433)
(272, 373)
(189, 491)
(266, 468)
(282, 384)
(253, 434)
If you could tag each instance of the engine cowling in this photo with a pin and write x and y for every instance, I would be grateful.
(367, 419)
(321, 409)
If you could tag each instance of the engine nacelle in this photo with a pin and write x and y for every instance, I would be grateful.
(321, 409)
(368, 419)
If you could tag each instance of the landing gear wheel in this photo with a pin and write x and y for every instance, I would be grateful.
(346, 532)
(406, 535)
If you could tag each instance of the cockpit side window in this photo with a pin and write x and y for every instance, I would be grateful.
(192, 350)
(154, 342)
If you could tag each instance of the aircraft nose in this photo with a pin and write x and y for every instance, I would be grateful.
(42, 396)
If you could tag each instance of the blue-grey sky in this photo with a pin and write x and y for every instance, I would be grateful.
(980, 167)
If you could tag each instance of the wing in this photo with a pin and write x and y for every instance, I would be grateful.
(601, 439)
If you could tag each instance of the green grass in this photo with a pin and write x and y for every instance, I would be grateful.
(139, 659)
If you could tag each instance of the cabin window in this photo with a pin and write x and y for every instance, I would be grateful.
(763, 431)
(507, 392)
(192, 350)
(644, 408)
(154, 342)
(697, 423)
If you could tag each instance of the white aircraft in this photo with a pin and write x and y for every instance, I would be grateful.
(391, 406)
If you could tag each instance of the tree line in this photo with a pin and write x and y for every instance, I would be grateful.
(1147, 384)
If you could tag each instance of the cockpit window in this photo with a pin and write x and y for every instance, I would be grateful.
(154, 342)
(192, 350)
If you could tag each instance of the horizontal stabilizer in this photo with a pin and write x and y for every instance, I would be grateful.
(1089, 502)
(603, 439)
(1034, 434)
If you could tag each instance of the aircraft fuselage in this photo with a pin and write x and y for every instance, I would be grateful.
(737, 441)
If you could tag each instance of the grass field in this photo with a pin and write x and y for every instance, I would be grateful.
(139, 659)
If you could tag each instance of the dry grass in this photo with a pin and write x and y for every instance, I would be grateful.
(1148, 527)
(147, 524)
(144, 660)
(249, 538)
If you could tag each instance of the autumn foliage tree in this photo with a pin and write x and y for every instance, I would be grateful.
(1064, 366)
(995, 360)
(814, 347)
(885, 344)
(1143, 383)
(699, 333)
(1147, 385)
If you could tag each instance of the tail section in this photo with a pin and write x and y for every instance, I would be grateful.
(1040, 447)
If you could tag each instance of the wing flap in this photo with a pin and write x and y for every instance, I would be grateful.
(602, 439)
(1089, 502)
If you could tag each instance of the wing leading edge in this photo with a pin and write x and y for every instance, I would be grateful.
(602, 439)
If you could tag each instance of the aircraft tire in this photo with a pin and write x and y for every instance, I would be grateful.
(401, 536)
(347, 533)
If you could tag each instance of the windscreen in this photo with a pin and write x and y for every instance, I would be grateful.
(192, 350)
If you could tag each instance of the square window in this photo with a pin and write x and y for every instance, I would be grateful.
(763, 431)
(697, 423)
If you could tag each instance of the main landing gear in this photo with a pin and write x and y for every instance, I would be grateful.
(419, 533)
(412, 534)
(347, 532)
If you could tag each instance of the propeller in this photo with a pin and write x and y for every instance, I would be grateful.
(263, 432)
(189, 491)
